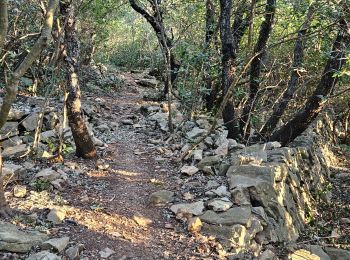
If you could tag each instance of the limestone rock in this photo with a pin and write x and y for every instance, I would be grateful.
(12, 141)
(56, 216)
(195, 208)
(219, 205)
(196, 132)
(337, 253)
(209, 161)
(228, 235)
(161, 197)
(30, 123)
(12, 172)
(15, 151)
(189, 170)
(73, 252)
(240, 196)
(317, 250)
(149, 83)
(19, 191)
(44, 255)
(303, 254)
(267, 255)
(8, 130)
(14, 240)
(223, 148)
(236, 215)
(48, 174)
(58, 244)
(197, 155)
(106, 253)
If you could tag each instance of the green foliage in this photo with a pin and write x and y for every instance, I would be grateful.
(41, 185)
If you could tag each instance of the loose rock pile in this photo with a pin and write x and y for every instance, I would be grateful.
(248, 197)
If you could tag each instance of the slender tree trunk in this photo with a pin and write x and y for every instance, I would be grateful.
(255, 68)
(281, 106)
(304, 117)
(211, 93)
(228, 66)
(156, 21)
(84, 145)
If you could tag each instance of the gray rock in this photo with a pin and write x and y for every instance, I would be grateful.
(12, 172)
(267, 255)
(221, 191)
(337, 253)
(58, 244)
(317, 250)
(106, 253)
(15, 151)
(8, 130)
(47, 135)
(48, 174)
(236, 215)
(195, 208)
(14, 240)
(219, 205)
(240, 196)
(161, 197)
(189, 170)
(30, 123)
(212, 184)
(149, 83)
(56, 216)
(73, 252)
(228, 235)
(222, 150)
(196, 132)
(197, 155)
(209, 161)
(12, 141)
(44, 255)
(303, 254)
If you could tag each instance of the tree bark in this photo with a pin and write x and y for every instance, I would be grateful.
(316, 102)
(228, 66)
(84, 145)
(255, 68)
(281, 106)
(211, 93)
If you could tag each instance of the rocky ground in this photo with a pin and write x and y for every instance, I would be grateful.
(137, 202)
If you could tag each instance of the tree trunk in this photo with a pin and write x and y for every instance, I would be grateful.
(228, 66)
(304, 117)
(156, 21)
(211, 93)
(281, 106)
(255, 68)
(84, 145)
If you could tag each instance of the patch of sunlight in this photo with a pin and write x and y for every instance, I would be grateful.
(126, 173)
(113, 225)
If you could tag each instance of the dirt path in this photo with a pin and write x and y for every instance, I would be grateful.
(106, 202)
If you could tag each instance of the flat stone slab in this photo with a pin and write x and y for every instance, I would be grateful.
(236, 215)
(195, 208)
(16, 241)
